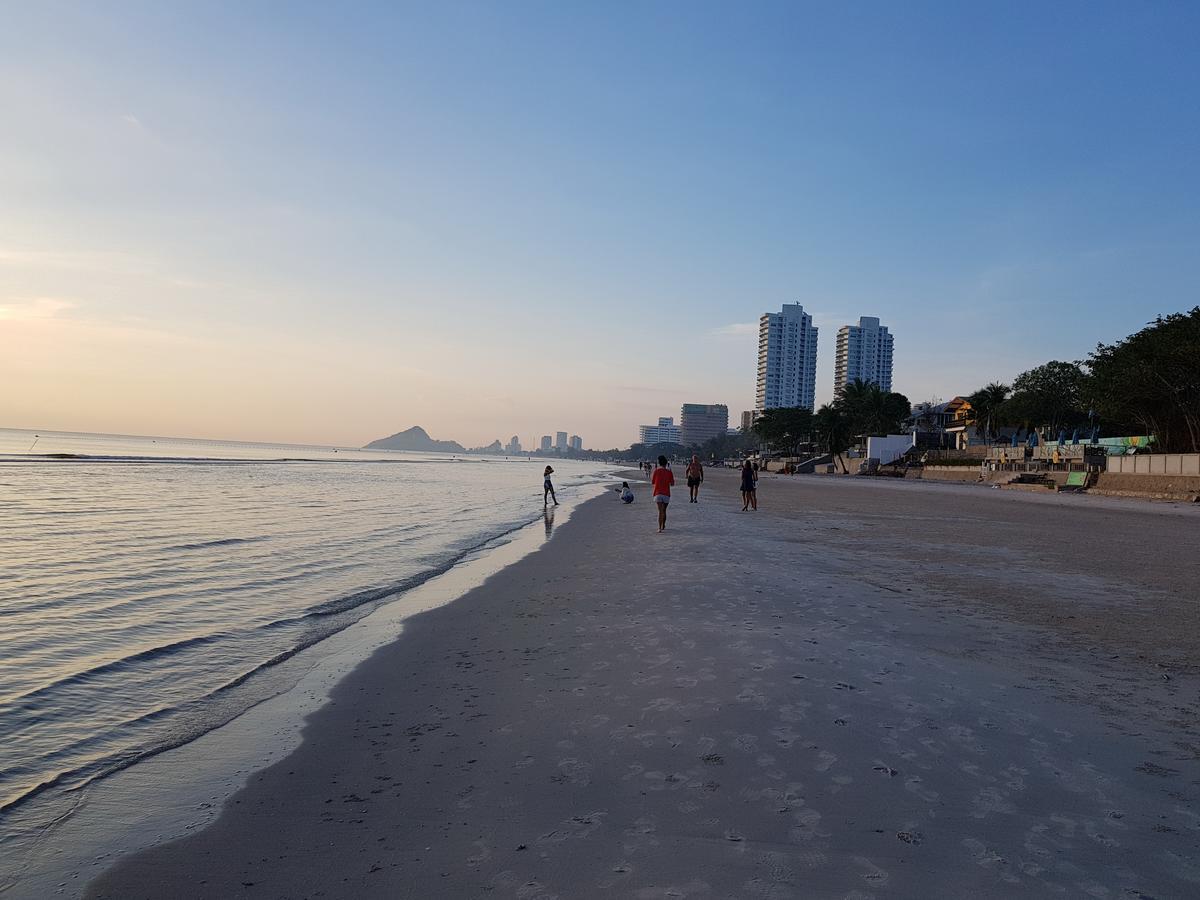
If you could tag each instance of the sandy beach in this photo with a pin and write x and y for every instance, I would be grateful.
(866, 689)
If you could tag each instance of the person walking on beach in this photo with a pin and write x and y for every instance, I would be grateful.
(661, 480)
(548, 487)
(695, 478)
(749, 487)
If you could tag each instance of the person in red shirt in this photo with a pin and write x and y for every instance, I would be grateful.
(661, 481)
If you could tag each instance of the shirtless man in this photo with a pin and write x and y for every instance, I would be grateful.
(695, 477)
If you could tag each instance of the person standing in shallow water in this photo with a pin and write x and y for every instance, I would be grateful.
(695, 478)
(548, 487)
(661, 480)
(749, 486)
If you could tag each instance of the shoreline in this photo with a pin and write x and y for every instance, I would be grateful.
(146, 802)
(781, 703)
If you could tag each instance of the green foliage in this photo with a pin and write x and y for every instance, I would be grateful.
(1153, 378)
(832, 428)
(871, 410)
(988, 409)
(640, 452)
(784, 428)
(1049, 397)
(724, 446)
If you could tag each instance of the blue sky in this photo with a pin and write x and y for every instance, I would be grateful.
(309, 222)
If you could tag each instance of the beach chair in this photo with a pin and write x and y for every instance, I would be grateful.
(1076, 481)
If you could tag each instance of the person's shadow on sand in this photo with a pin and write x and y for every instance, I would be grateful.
(548, 516)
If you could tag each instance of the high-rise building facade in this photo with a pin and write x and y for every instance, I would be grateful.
(749, 417)
(547, 444)
(699, 422)
(864, 353)
(787, 359)
(665, 432)
(560, 440)
(575, 442)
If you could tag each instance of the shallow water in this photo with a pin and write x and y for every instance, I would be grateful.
(144, 603)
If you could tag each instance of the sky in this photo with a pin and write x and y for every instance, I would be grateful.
(325, 222)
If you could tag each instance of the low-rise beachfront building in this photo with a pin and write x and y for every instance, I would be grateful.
(960, 424)
(665, 432)
(547, 443)
(787, 359)
(700, 422)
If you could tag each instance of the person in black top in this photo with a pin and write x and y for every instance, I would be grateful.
(749, 486)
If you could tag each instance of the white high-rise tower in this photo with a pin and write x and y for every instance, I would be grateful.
(787, 359)
(864, 353)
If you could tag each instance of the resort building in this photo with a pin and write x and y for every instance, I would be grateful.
(665, 432)
(560, 441)
(864, 353)
(787, 359)
(546, 443)
(960, 425)
(700, 422)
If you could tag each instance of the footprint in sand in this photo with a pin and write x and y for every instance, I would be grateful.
(987, 858)
(805, 827)
(747, 743)
(913, 784)
(871, 872)
(484, 854)
(574, 771)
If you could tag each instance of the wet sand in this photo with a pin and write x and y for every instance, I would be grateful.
(864, 689)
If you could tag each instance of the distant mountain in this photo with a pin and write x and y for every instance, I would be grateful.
(415, 438)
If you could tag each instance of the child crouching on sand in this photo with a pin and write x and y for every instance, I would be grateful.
(625, 492)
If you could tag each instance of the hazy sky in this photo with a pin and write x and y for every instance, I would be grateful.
(327, 222)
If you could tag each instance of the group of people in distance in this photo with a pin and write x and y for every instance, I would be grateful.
(661, 481)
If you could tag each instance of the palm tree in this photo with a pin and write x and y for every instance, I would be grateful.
(870, 409)
(832, 430)
(986, 409)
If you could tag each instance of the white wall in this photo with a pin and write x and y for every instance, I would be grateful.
(889, 448)
(1156, 464)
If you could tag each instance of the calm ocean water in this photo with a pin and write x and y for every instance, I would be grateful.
(147, 589)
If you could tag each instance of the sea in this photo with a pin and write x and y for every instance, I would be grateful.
(150, 587)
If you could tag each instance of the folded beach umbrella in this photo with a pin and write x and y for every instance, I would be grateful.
(1075, 436)
(1033, 438)
(1015, 440)
(1062, 436)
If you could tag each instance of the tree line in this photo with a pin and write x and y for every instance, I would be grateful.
(859, 408)
(1148, 383)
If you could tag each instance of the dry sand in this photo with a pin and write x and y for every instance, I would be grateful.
(866, 689)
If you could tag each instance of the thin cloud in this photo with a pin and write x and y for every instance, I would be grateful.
(639, 389)
(735, 329)
(26, 309)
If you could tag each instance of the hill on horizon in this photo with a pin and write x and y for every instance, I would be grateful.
(415, 438)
